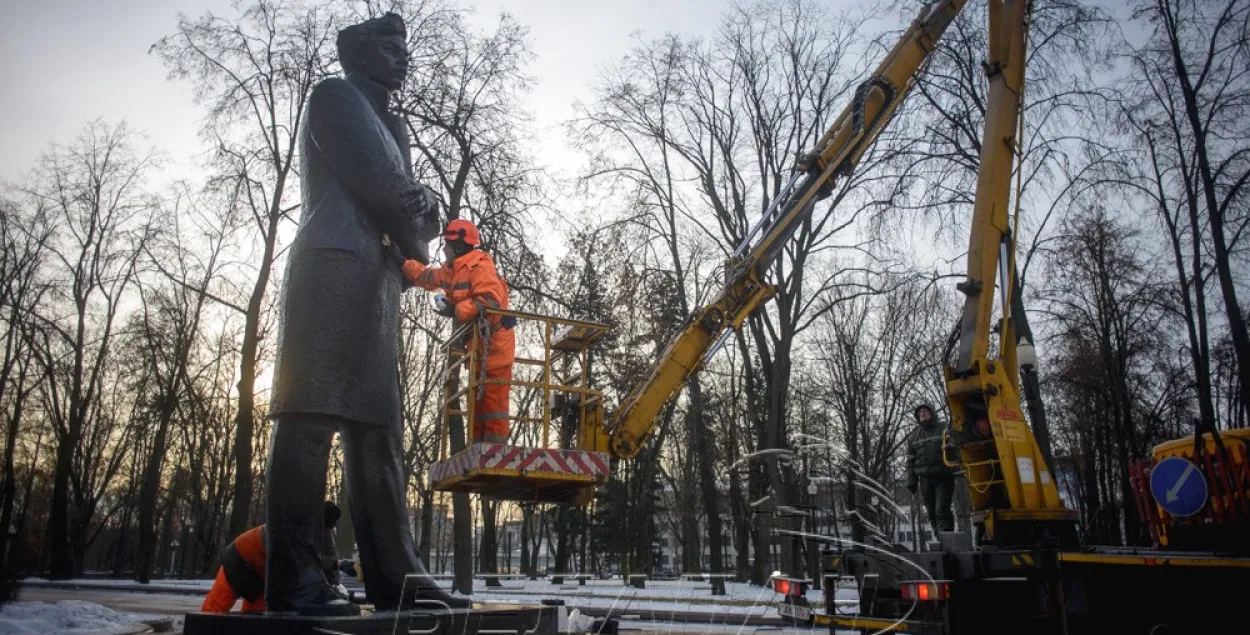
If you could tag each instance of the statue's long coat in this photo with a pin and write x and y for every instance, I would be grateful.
(338, 332)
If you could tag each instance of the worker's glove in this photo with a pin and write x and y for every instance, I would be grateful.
(443, 306)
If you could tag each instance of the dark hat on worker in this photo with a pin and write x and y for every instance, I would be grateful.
(924, 406)
(333, 513)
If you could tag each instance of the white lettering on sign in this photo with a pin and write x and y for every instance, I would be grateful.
(1024, 465)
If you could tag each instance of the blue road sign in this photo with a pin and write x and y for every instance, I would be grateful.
(1179, 487)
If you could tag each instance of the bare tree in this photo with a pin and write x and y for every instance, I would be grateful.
(1189, 102)
(254, 71)
(1104, 300)
(878, 357)
(707, 133)
(167, 331)
(23, 239)
(91, 193)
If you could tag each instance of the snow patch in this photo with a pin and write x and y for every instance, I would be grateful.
(67, 617)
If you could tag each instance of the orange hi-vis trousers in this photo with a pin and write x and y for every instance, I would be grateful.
(490, 411)
(221, 597)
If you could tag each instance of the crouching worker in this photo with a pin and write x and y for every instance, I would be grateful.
(241, 573)
(469, 284)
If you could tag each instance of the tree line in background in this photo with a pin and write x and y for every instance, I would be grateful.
(137, 320)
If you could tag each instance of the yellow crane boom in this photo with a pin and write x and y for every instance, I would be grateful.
(1013, 494)
(746, 287)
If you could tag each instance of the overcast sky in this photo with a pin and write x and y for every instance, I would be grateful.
(68, 61)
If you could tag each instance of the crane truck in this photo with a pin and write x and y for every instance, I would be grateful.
(1022, 568)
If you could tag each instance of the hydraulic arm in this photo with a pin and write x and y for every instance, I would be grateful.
(746, 287)
(1013, 494)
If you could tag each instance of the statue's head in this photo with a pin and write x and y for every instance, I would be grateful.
(378, 48)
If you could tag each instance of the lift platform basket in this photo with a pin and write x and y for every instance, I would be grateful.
(558, 452)
(511, 472)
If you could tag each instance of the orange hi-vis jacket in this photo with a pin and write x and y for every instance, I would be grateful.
(241, 573)
(471, 284)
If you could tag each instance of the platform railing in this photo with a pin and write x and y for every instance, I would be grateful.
(562, 367)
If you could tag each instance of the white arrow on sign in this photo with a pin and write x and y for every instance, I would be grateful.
(1180, 482)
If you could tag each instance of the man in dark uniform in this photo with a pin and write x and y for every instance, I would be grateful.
(927, 472)
(336, 365)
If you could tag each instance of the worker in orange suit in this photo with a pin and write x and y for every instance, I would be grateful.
(241, 573)
(469, 284)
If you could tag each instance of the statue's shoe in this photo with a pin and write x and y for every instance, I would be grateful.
(315, 599)
(427, 596)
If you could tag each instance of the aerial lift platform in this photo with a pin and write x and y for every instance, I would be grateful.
(567, 471)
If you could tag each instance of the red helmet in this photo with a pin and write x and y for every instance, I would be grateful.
(460, 229)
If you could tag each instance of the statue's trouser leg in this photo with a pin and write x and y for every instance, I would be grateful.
(375, 488)
(295, 497)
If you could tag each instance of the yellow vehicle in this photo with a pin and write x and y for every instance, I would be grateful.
(1023, 571)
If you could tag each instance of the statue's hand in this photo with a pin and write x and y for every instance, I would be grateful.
(425, 213)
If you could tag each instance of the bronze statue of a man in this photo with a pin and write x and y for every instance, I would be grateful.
(336, 366)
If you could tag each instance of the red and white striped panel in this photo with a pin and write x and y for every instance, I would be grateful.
(456, 465)
(514, 457)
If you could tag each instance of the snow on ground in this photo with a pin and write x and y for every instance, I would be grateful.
(740, 601)
(67, 617)
(689, 594)
(659, 595)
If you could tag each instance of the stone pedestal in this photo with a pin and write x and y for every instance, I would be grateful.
(494, 618)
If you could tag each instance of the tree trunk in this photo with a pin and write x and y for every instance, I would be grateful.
(526, 512)
(462, 520)
(757, 484)
(690, 544)
(26, 497)
(489, 554)
(563, 528)
(780, 475)
(148, 493)
(741, 523)
(167, 535)
(706, 457)
(9, 488)
(58, 545)
(536, 536)
(244, 419)
(427, 523)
